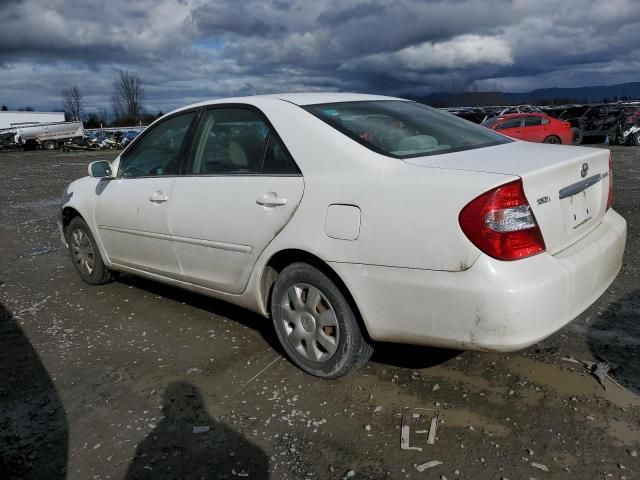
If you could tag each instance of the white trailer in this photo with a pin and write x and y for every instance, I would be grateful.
(45, 135)
(48, 135)
(15, 119)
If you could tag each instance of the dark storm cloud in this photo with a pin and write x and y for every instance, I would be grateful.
(186, 50)
(350, 12)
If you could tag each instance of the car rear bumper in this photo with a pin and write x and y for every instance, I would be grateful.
(566, 137)
(494, 305)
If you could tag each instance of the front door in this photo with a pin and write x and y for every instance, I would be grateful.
(131, 210)
(238, 192)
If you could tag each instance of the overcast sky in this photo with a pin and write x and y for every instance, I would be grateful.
(188, 50)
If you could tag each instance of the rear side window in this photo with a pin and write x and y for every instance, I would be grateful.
(532, 121)
(238, 141)
(231, 141)
(157, 152)
(403, 129)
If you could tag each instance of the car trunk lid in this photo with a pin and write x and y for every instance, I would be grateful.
(567, 187)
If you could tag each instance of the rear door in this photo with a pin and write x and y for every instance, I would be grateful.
(238, 191)
(533, 130)
(511, 127)
(131, 210)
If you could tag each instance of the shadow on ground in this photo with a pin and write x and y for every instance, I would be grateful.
(172, 450)
(217, 307)
(411, 356)
(397, 355)
(615, 337)
(33, 423)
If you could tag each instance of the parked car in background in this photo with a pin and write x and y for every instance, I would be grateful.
(627, 131)
(532, 127)
(589, 122)
(350, 219)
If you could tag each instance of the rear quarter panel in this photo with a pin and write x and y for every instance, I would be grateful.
(409, 214)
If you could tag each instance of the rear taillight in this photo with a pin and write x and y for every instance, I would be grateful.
(501, 224)
(610, 197)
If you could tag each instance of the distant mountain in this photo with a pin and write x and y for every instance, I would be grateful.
(595, 94)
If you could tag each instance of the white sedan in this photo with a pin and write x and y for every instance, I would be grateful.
(350, 219)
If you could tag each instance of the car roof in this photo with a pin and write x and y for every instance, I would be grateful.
(525, 114)
(300, 98)
(310, 98)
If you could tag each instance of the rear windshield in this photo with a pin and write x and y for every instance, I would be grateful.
(403, 129)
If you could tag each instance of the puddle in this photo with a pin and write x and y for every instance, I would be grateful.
(623, 432)
(460, 377)
(462, 417)
(45, 208)
(568, 383)
(41, 251)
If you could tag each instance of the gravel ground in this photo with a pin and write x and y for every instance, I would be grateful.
(109, 382)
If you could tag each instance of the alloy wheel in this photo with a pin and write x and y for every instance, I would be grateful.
(82, 251)
(310, 322)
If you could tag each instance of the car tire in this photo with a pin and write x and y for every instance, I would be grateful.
(552, 139)
(49, 145)
(636, 139)
(85, 254)
(315, 323)
(577, 135)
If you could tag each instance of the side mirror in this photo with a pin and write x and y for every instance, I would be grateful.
(100, 169)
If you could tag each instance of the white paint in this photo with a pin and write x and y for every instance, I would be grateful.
(10, 119)
(343, 222)
(413, 274)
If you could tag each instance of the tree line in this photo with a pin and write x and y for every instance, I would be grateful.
(126, 104)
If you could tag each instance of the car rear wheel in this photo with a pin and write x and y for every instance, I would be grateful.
(85, 254)
(636, 139)
(577, 135)
(315, 324)
(552, 139)
(49, 145)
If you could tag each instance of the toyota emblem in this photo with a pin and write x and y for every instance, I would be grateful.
(584, 170)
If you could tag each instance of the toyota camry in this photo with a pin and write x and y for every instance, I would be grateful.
(349, 219)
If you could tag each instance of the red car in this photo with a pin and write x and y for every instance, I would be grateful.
(532, 127)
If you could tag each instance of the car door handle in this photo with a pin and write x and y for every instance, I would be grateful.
(271, 199)
(158, 197)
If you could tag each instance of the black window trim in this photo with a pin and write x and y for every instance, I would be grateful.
(537, 117)
(380, 151)
(187, 164)
(131, 148)
(509, 119)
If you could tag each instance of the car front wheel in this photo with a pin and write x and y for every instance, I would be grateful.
(85, 254)
(315, 324)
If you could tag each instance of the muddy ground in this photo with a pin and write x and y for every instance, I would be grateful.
(108, 382)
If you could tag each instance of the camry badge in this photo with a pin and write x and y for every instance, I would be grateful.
(584, 170)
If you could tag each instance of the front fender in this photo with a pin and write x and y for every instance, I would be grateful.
(78, 200)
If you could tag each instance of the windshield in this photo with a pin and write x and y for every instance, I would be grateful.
(404, 129)
(490, 122)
